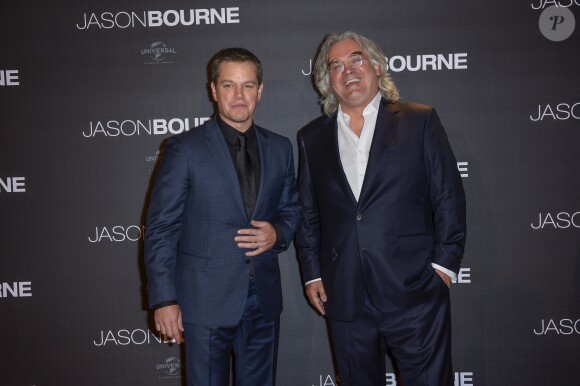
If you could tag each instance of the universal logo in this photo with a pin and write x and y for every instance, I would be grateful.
(556, 21)
(159, 53)
(171, 367)
(154, 157)
(154, 161)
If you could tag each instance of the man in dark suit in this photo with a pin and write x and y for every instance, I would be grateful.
(224, 204)
(383, 226)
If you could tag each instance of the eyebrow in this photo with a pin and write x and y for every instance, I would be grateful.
(351, 54)
(244, 82)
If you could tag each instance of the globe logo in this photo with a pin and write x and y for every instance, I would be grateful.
(158, 51)
(173, 366)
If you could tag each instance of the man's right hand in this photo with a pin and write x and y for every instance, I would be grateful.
(316, 295)
(168, 322)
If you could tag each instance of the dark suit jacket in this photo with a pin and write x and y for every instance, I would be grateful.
(197, 207)
(411, 211)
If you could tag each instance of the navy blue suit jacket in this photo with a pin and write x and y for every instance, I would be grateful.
(195, 210)
(411, 211)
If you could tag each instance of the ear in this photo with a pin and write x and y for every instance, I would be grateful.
(376, 67)
(260, 91)
(213, 91)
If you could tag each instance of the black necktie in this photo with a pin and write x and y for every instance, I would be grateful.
(246, 174)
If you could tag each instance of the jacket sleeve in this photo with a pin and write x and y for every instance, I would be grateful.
(288, 214)
(164, 222)
(446, 194)
(308, 234)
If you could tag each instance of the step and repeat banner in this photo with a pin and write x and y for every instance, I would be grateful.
(90, 90)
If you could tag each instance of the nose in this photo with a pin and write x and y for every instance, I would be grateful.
(239, 92)
(347, 68)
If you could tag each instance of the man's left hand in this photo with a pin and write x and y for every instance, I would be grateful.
(259, 239)
(446, 279)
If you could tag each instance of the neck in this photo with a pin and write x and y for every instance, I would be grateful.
(241, 127)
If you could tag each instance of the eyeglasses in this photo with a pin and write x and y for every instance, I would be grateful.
(354, 60)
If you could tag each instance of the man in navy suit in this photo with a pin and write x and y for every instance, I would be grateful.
(383, 225)
(224, 204)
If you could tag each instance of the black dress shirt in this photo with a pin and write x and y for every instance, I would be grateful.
(231, 135)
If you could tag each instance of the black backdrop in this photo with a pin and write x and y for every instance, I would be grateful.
(89, 90)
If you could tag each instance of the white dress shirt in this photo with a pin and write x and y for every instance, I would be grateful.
(354, 150)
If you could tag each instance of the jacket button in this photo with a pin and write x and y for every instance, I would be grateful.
(358, 217)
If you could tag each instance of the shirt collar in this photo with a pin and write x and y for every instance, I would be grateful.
(231, 134)
(371, 108)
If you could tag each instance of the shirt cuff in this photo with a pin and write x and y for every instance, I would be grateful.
(449, 273)
(312, 281)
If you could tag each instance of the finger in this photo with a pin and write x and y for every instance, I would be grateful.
(251, 245)
(250, 239)
(248, 231)
(320, 308)
(180, 324)
(173, 331)
(322, 294)
(317, 304)
(255, 252)
(259, 224)
(317, 296)
(160, 325)
(176, 329)
(178, 337)
(313, 297)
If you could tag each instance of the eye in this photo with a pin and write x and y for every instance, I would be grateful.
(356, 60)
(227, 85)
(335, 66)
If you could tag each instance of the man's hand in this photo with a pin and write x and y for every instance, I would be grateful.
(259, 239)
(446, 279)
(168, 322)
(316, 295)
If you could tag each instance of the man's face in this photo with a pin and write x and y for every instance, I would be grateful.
(355, 87)
(237, 93)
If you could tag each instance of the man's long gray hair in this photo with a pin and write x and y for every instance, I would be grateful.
(370, 49)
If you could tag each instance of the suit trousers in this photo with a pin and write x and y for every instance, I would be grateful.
(253, 342)
(418, 337)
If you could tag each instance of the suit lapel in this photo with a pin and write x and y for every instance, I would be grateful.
(217, 145)
(385, 134)
(333, 158)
